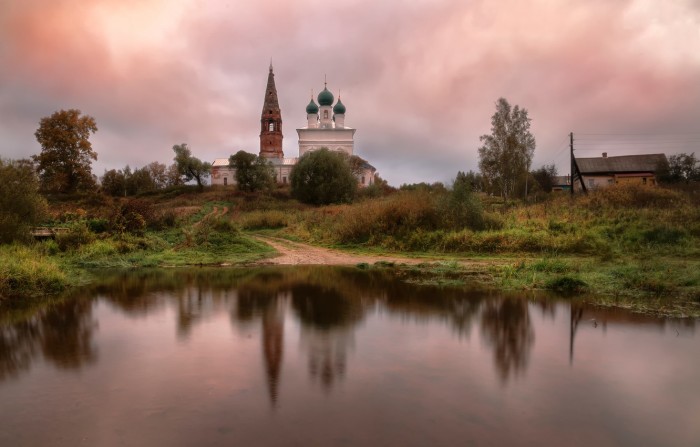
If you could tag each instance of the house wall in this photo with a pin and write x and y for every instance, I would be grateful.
(223, 175)
(637, 179)
(603, 181)
(365, 178)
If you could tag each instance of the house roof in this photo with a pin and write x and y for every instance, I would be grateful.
(220, 162)
(619, 164)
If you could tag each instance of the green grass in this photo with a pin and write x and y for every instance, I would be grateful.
(24, 271)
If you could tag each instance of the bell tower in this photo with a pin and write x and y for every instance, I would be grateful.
(271, 122)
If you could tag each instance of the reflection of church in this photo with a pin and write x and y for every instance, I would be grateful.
(325, 128)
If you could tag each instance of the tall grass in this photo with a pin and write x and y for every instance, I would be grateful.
(24, 270)
(617, 220)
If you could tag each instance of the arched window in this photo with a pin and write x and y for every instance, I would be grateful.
(272, 126)
(325, 114)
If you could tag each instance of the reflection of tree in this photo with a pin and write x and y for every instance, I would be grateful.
(19, 345)
(62, 333)
(189, 310)
(328, 318)
(507, 327)
(67, 331)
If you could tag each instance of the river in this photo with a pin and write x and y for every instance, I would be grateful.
(333, 356)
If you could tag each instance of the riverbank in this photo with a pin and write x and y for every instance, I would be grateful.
(632, 248)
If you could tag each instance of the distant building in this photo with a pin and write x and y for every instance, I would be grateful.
(562, 183)
(600, 172)
(325, 128)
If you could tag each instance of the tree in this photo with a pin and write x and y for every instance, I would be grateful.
(64, 164)
(172, 176)
(158, 173)
(679, 168)
(21, 205)
(114, 183)
(507, 153)
(189, 167)
(546, 177)
(321, 177)
(462, 208)
(253, 173)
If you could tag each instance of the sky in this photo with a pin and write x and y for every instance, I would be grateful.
(419, 78)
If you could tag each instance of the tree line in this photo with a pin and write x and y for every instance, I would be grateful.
(64, 166)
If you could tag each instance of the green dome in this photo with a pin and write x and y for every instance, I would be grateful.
(339, 108)
(325, 98)
(312, 107)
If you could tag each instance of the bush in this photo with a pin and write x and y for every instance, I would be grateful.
(77, 236)
(461, 207)
(98, 225)
(132, 216)
(566, 284)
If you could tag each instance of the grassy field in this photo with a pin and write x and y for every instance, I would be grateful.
(630, 247)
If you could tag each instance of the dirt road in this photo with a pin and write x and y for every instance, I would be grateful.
(294, 253)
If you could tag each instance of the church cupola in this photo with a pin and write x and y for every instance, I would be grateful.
(325, 100)
(312, 113)
(339, 108)
(339, 113)
(271, 122)
(312, 108)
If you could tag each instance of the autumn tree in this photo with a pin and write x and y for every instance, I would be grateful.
(506, 154)
(321, 177)
(253, 173)
(64, 164)
(21, 205)
(189, 167)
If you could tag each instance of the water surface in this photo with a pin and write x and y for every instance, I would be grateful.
(339, 356)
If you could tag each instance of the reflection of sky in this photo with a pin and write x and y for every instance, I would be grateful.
(407, 381)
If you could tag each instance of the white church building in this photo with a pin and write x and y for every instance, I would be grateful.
(325, 128)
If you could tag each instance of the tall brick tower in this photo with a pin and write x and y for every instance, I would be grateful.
(271, 122)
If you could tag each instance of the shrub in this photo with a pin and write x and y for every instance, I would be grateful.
(98, 225)
(77, 236)
(566, 284)
(132, 216)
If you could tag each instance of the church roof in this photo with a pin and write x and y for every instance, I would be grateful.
(220, 162)
(325, 98)
(271, 103)
(312, 107)
(339, 108)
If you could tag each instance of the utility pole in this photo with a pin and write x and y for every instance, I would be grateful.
(571, 147)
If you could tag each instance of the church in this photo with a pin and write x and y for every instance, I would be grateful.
(325, 127)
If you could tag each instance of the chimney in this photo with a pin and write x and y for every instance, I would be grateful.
(605, 155)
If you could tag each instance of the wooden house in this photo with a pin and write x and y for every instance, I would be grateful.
(599, 172)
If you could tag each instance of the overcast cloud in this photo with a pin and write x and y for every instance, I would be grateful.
(419, 78)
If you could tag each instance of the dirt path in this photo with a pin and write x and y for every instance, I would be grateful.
(294, 253)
